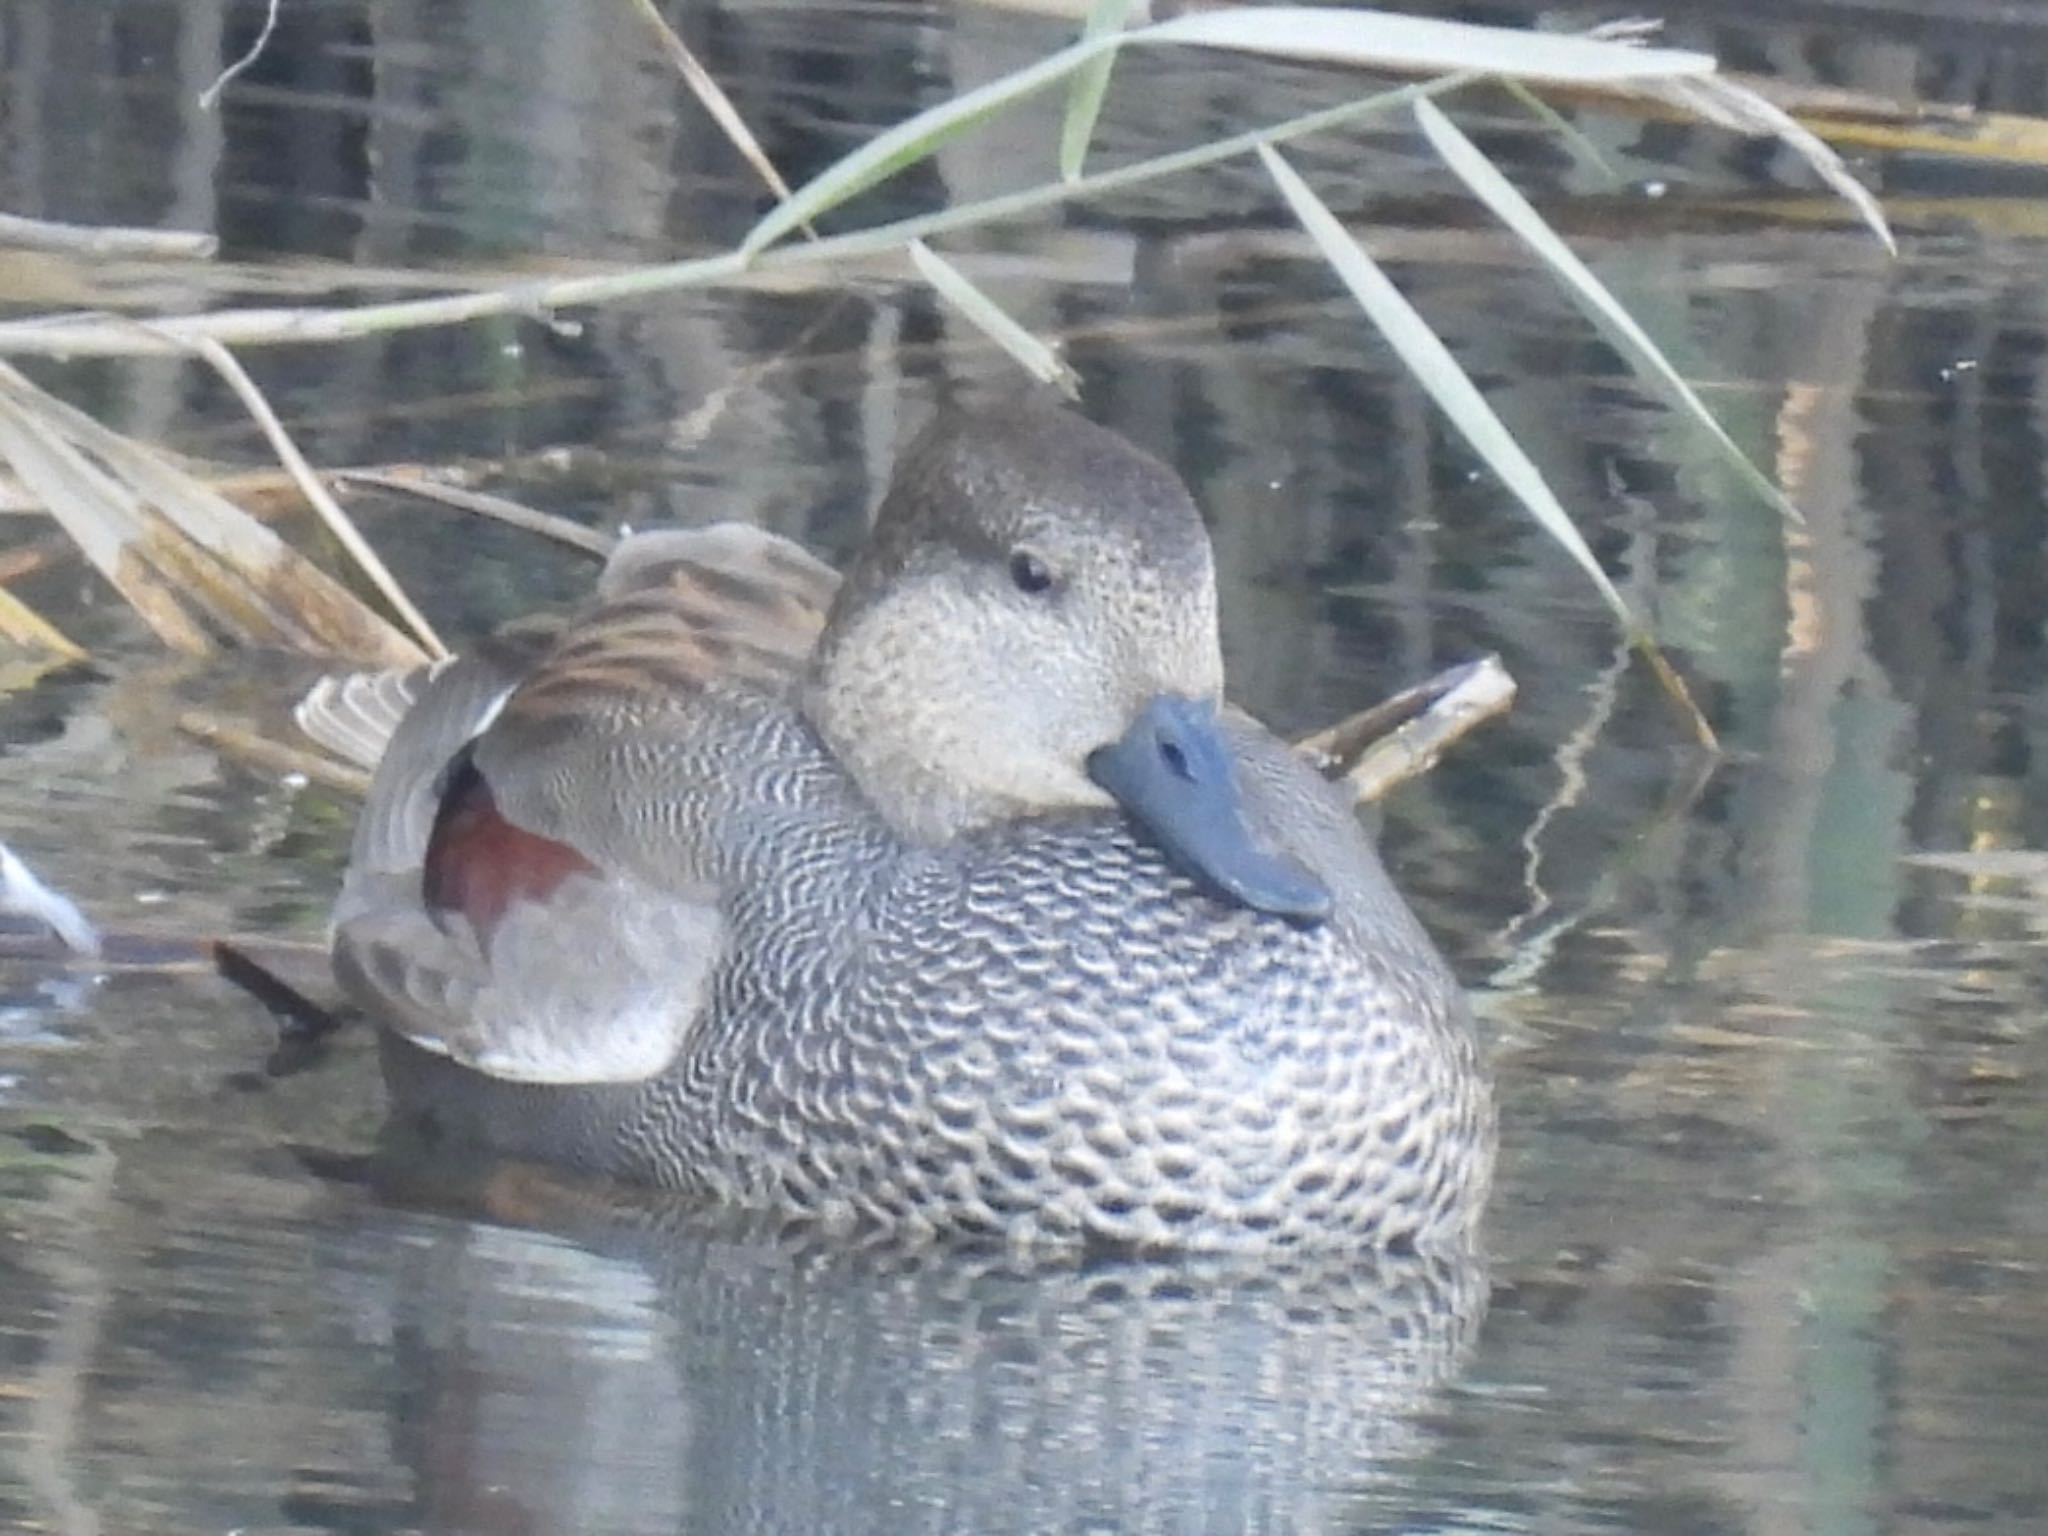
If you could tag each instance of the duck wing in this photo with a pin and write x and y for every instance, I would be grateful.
(535, 885)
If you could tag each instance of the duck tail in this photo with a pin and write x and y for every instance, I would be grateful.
(354, 714)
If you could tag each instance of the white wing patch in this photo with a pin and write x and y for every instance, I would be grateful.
(598, 984)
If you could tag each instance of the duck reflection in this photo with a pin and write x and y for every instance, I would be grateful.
(603, 1366)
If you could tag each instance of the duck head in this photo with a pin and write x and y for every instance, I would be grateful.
(1031, 627)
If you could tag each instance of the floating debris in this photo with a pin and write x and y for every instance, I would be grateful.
(22, 894)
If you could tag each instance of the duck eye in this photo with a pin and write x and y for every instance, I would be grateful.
(1029, 572)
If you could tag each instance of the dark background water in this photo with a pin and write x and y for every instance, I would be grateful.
(1768, 1250)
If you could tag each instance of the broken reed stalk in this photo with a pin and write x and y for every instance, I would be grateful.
(195, 566)
(1402, 737)
(338, 522)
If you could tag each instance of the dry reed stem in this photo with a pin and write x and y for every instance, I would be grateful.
(711, 95)
(24, 626)
(98, 240)
(26, 559)
(498, 508)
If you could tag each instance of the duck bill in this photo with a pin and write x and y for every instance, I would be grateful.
(1172, 774)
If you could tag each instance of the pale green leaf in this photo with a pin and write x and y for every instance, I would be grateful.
(1592, 296)
(1430, 361)
(1033, 355)
(1734, 105)
(1425, 45)
(911, 141)
(1089, 85)
(1568, 133)
(1297, 32)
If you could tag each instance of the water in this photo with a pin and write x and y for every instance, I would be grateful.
(1768, 1249)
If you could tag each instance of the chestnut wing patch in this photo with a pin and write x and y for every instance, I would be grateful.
(518, 956)
(478, 864)
(521, 958)
(587, 956)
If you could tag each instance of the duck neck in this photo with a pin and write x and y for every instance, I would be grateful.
(872, 741)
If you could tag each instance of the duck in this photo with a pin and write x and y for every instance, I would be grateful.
(945, 898)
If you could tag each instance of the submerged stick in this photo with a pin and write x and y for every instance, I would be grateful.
(259, 751)
(273, 756)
